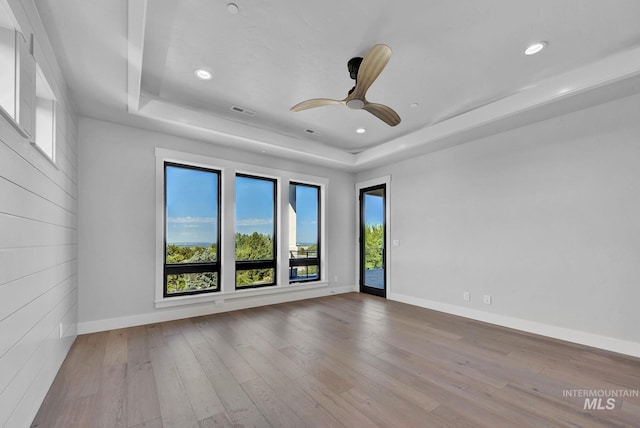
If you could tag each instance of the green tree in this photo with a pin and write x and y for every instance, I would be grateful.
(191, 281)
(254, 247)
(374, 243)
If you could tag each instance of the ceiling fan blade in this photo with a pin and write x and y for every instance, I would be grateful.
(316, 102)
(382, 112)
(372, 65)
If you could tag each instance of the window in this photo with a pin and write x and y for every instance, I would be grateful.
(224, 230)
(17, 74)
(45, 116)
(8, 61)
(304, 232)
(255, 231)
(192, 230)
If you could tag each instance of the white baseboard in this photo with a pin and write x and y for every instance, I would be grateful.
(583, 338)
(162, 315)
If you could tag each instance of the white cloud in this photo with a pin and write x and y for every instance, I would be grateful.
(191, 220)
(253, 221)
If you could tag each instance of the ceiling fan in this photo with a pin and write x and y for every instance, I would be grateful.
(364, 71)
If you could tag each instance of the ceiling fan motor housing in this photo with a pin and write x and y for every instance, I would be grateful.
(354, 65)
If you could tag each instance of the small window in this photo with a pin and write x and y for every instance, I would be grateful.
(192, 230)
(304, 232)
(45, 138)
(255, 231)
(8, 68)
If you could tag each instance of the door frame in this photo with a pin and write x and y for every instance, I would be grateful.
(386, 181)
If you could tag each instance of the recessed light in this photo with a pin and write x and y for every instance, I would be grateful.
(203, 74)
(361, 130)
(535, 48)
(414, 105)
(233, 8)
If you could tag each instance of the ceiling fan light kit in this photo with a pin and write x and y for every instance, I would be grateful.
(355, 104)
(364, 71)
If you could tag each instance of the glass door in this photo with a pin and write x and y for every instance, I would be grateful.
(373, 240)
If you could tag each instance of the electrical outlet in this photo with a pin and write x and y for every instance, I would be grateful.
(487, 299)
(467, 296)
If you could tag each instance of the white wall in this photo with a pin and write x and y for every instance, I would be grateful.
(38, 250)
(117, 224)
(543, 218)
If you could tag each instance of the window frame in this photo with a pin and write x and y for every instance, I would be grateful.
(44, 94)
(318, 259)
(21, 114)
(9, 111)
(177, 269)
(242, 265)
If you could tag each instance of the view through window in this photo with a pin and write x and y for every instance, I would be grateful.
(195, 199)
(304, 232)
(372, 237)
(255, 231)
(192, 229)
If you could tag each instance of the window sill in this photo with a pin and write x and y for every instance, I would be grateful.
(44, 154)
(6, 116)
(221, 297)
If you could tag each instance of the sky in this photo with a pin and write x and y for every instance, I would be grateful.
(373, 209)
(306, 215)
(192, 207)
(192, 199)
(254, 205)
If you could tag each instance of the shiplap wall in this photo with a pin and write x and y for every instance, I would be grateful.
(38, 250)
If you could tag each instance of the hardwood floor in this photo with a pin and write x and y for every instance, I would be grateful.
(347, 360)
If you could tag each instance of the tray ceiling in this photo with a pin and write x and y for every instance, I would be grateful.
(457, 71)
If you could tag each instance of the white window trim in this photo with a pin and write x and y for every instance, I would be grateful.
(228, 170)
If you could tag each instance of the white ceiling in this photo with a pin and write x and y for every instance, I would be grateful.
(462, 62)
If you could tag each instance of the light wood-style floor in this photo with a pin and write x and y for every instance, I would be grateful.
(346, 360)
